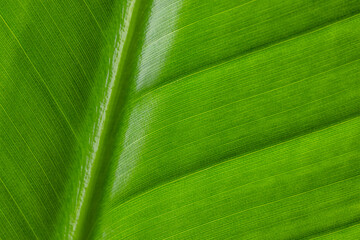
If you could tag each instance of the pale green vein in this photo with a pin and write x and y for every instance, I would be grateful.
(28, 181)
(243, 185)
(52, 52)
(43, 81)
(246, 123)
(296, 217)
(230, 190)
(93, 16)
(29, 107)
(263, 205)
(18, 207)
(67, 43)
(188, 25)
(246, 55)
(11, 226)
(32, 153)
(231, 160)
(240, 100)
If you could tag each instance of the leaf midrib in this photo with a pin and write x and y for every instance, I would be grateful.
(113, 101)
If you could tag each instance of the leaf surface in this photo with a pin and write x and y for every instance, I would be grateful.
(184, 119)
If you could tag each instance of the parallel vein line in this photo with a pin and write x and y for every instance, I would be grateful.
(32, 230)
(237, 126)
(232, 159)
(245, 55)
(42, 79)
(96, 21)
(28, 181)
(179, 29)
(263, 205)
(246, 184)
(11, 225)
(62, 35)
(279, 160)
(52, 52)
(36, 116)
(240, 100)
(32, 153)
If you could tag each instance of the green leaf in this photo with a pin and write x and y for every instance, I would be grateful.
(184, 119)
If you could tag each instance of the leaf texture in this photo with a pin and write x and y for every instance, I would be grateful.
(184, 119)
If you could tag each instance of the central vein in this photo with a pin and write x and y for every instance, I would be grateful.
(107, 125)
